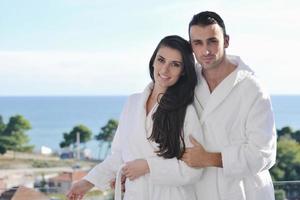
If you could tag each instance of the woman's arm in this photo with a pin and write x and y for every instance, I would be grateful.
(169, 171)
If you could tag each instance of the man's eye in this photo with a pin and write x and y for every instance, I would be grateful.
(197, 43)
(213, 41)
(160, 60)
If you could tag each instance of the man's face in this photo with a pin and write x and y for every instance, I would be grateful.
(209, 45)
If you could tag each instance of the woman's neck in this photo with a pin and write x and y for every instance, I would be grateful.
(154, 97)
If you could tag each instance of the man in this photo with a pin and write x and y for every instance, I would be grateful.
(239, 145)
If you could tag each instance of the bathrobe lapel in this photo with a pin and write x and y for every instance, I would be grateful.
(207, 102)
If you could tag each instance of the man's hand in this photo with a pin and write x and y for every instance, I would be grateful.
(197, 156)
(79, 189)
(136, 168)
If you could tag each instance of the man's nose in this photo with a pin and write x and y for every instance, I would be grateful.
(206, 50)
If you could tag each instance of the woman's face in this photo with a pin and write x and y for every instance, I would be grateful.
(168, 67)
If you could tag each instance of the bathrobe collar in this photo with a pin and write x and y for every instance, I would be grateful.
(209, 101)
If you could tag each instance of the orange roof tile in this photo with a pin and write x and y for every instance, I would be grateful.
(24, 193)
(69, 176)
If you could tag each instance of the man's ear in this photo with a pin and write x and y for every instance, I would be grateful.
(226, 41)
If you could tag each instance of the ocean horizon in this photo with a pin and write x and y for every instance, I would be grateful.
(51, 116)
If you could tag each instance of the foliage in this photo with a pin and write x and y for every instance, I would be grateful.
(40, 164)
(57, 196)
(2, 149)
(71, 137)
(13, 136)
(2, 125)
(287, 166)
(280, 195)
(108, 131)
(106, 135)
(16, 124)
(288, 132)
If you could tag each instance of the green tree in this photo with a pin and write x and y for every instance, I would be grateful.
(107, 134)
(16, 124)
(66, 142)
(2, 125)
(284, 131)
(296, 136)
(2, 149)
(108, 131)
(280, 195)
(13, 136)
(70, 138)
(6, 143)
(289, 133)
(287, 166)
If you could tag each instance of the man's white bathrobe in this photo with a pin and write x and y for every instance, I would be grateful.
(237, 120)
(169, 179)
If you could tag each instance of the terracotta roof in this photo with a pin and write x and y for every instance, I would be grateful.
(69, 176)
(24, 193)
(77, 175)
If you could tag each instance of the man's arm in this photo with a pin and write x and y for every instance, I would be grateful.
(258, 152)
(251, 156)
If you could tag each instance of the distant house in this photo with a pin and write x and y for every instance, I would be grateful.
(46, 150)
(23, 193)
(67, 153)
(63, 181)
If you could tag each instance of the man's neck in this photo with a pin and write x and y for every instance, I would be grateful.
(216, 75)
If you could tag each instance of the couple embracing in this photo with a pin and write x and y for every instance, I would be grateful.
(199, 131)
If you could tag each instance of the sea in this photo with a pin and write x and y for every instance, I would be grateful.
(51, 116)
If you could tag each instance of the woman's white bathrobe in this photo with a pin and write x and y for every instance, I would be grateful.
(237, 120)
(169, 179)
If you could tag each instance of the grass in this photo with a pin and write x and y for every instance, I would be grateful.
(30, 163)
(94, 194)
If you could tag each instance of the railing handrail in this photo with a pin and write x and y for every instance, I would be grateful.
(284, 182)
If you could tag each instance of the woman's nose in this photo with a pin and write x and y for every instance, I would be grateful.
(165, 67)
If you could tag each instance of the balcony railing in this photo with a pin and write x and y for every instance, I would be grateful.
(285, 190)
(22, 193)
(289, 190)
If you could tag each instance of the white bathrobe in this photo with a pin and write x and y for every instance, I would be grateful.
(237, 120)
(169, 179)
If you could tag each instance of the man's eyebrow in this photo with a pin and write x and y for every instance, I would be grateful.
(196, 40)
(212, 38)
(160, 56)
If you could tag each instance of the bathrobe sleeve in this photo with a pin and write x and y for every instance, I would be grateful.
(174, 172)
(102, 173)
(258, 153)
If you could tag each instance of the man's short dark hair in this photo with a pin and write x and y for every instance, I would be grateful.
(207, 18)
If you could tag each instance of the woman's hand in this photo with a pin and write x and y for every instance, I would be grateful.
(136, 168)
(79, 189)
(112, 183)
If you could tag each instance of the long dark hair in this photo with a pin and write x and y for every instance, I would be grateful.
(168, 120)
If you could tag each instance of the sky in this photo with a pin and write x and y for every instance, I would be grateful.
(96, 47)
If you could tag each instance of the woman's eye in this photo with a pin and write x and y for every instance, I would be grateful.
(176, 65)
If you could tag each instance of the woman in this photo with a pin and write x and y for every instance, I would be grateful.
(153, 132)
